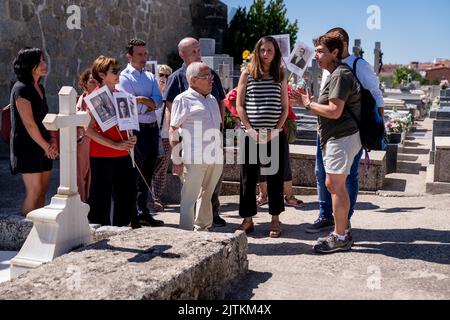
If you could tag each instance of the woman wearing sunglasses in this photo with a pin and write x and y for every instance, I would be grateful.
(162, 164)
(112, 172)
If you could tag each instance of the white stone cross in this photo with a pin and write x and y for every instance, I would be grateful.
(67, 122)
(63, 225)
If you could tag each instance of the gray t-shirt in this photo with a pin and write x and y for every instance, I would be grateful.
(341, 84)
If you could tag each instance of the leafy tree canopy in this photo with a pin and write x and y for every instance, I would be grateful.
(247, 28)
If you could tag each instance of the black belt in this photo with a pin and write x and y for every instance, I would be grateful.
(149, 125)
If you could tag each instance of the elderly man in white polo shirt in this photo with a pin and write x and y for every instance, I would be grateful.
(196, 118)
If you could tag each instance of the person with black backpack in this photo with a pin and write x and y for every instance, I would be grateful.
(370, 83)
(339, 133)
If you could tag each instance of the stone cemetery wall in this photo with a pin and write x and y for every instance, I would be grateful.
(72, 34)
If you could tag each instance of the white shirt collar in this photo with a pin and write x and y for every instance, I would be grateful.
(196, 94)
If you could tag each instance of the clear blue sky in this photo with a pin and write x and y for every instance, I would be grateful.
(411, 30)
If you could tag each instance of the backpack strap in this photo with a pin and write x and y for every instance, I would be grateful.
(354, 71)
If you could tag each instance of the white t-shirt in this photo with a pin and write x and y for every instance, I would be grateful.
(198, 118)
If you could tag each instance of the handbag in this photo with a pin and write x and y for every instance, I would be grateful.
(6, 124)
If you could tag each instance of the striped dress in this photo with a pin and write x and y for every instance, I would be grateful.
(263, 103)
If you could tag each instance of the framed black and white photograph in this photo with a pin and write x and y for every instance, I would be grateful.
(152, 66)
(126, 113)
(300, 58)
(102, 107)
(133, 106)
(284, 42)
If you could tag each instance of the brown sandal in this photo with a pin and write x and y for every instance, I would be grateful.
(248, 227)
(275, 230)
(293, 201)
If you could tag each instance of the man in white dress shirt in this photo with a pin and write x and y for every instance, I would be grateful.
(196, 118)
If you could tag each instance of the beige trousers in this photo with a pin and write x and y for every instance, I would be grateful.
(198, 187)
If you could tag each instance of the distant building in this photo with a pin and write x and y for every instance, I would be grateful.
(431, 71)
(436, 71)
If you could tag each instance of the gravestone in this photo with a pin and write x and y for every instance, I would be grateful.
(391, 157)
(207, 46)
(306, 127)
(222, 64)
(438, 175)
(442, 160)
(441, 128)
(63, 225)
(443, 114)
(445, 98)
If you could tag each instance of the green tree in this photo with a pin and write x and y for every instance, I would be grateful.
(247, 28)
(403, 74)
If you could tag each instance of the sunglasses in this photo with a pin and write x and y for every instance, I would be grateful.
(163, 75)
(115, 70)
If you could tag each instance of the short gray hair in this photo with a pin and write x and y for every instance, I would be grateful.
(193, 70)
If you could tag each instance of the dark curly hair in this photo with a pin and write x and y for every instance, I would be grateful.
(27, 59)
(135, 43)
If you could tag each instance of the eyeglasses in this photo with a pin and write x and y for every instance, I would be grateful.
(163, 75)
(115, 70)
(207, 77)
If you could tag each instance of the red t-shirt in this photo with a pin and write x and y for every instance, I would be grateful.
(98, 150)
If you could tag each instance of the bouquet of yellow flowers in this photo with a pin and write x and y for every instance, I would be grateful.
(247, 56)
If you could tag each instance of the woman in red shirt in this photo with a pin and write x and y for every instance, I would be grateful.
(112, 172)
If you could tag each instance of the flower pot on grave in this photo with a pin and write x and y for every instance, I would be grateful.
(394, 137)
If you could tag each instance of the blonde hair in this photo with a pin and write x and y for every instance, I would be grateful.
(164, 68)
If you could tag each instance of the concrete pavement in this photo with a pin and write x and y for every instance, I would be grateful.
(401, 251)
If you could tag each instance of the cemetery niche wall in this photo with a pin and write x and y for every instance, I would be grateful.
(73, 34)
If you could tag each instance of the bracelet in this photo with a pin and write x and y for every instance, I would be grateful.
(308, 106)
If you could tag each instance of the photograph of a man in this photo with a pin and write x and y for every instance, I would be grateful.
(104, 107)
(299, 58)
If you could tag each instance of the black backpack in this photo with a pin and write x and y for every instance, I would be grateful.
(371, 127)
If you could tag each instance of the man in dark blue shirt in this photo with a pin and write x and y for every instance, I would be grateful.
(189, 51)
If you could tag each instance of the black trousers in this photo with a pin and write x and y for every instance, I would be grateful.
(116, 178)
(250, 175)
(147, 151)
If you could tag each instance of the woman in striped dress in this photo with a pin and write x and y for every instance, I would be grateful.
(262, 105)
